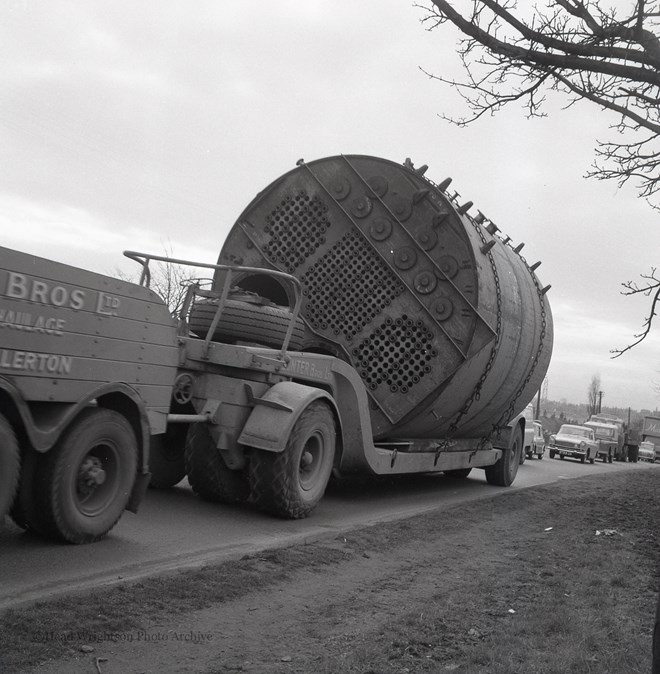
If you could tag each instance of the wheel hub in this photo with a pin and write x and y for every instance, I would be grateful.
(91, 475)
(306, 460)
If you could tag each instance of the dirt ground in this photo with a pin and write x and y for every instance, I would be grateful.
(556, 579)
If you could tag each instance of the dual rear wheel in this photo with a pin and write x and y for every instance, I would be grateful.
(286, 484)
(10, 466)
(78, 490)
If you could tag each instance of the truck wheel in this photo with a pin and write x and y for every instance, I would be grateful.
(459, 473)
(609, 458)
(92, 470)
(247, 322)
(166, 462)
(552, 454)
(10, 466)
(504, 471)
(208, 474)
(290, 483)
(28, 509)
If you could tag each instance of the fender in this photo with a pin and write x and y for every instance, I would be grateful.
(505, 437)
(44, 423)
(274, 415)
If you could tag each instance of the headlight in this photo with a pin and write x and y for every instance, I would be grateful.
(583, 444)
(551, 439)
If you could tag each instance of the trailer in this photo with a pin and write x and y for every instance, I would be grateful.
(417, 335)
(359, 320)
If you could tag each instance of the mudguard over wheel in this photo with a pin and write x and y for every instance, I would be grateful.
(208, 474)
(10, 466)
(244, 321)
(166, 462)
(290, 483)
(504, 471)
(91, 472)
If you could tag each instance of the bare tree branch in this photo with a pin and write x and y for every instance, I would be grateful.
(604, 53)
(650, 288)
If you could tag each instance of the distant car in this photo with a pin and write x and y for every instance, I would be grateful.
(528, 439)
(538, 443)
(578, 442)
(646, 451)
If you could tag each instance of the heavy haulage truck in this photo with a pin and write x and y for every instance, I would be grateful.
(359, 320)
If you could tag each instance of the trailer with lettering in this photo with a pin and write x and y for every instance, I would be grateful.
(87, 365)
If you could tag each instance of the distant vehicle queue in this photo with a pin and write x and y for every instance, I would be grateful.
(603, 436)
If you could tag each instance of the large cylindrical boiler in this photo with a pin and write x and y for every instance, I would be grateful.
(446, 323)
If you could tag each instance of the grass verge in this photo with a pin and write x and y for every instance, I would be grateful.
(520, 583)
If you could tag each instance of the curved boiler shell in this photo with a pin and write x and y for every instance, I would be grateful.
(448, 326)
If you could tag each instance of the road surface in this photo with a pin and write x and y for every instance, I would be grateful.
(175, 529)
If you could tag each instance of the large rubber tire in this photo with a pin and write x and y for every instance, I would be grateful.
(523, 455)
(10, 466)
(459, 473)
(208, 474)
(504, 471)
(166, 457)
(552, 454)
(291, 483)
(91, 472)
(246, 322)
(29, 509)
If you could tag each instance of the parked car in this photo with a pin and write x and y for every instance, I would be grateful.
(537, 447)
(646, 451)
(578, 442)
(528, 438)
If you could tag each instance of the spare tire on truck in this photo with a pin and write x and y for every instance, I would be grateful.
(246, 317)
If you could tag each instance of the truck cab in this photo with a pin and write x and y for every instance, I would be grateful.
(607, 436)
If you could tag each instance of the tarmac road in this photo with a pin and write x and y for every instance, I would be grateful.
(174, 529)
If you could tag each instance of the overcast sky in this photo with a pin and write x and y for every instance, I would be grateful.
(149, 124)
